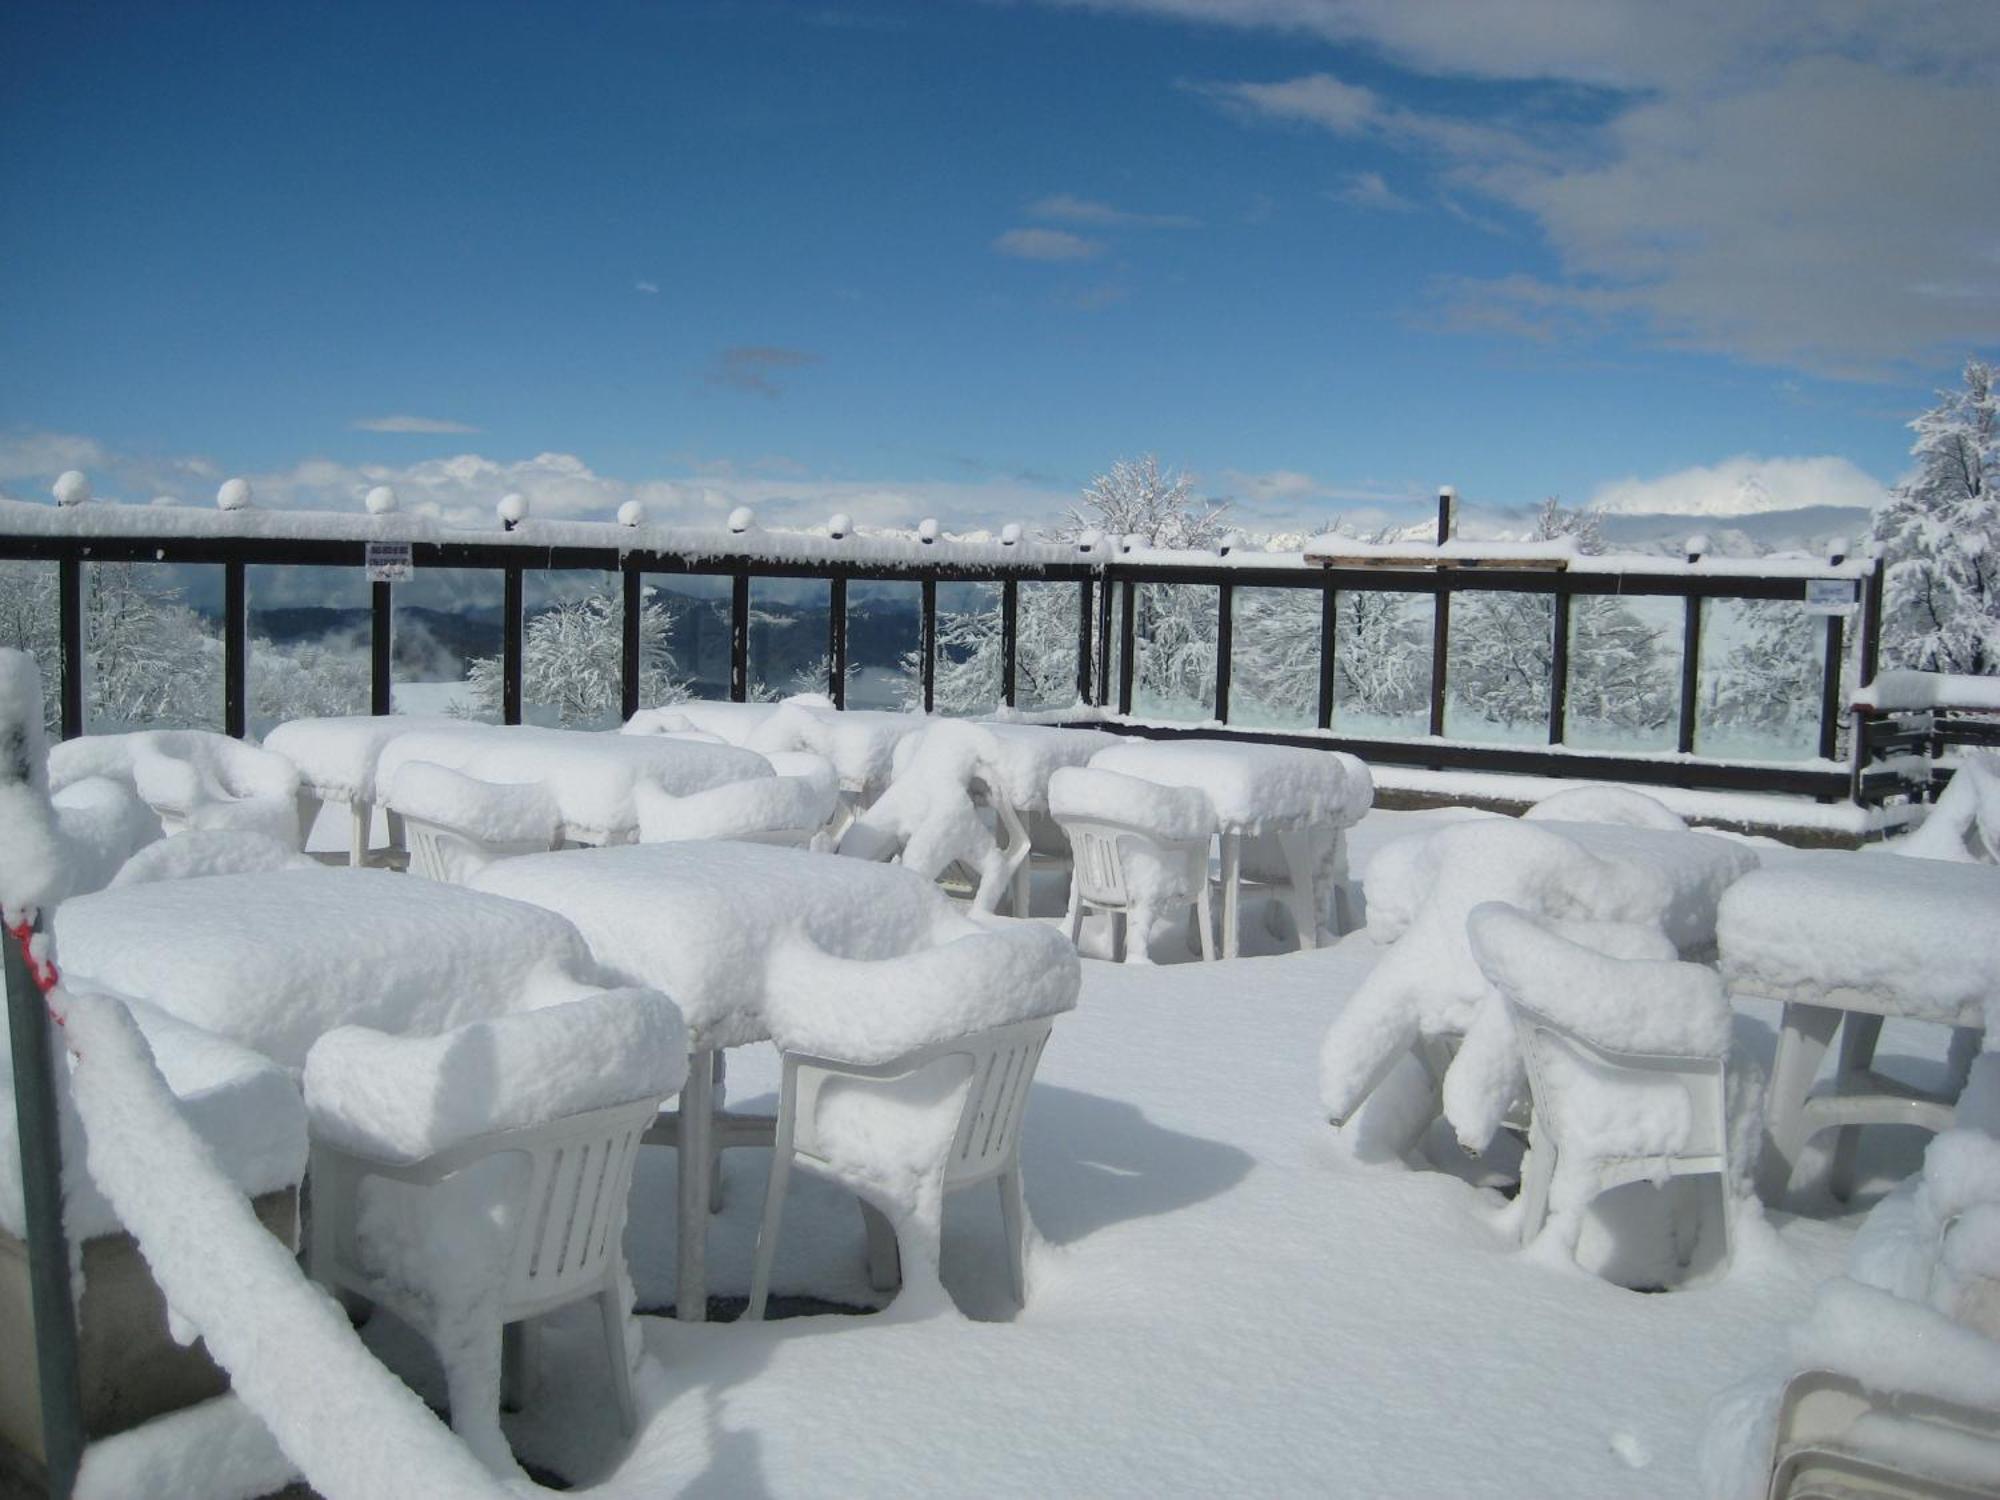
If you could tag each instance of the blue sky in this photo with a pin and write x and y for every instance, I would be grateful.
(955, 257)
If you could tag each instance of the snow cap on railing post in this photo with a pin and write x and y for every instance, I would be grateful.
(1231, 540)
(631, 513)
(1131, 541)
(838, 527)
(380, 500)
(1697, 547)
(71, 487)
(742, 519)
(1836, 551)
(927, 530)
(1010, 533)
(1089, 540)
(513, 510)
(234, 495)
(1447, 513)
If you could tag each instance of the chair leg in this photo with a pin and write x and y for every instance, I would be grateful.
(1802, 1041)
(1075, 916)
(610, 1304)
(520, 1345)
(360, 818)
(1536, 1173)
(472, 1381)
(715, 1136)
(1014, 1218)
(885, 1257)
(1022, 887)
(1121, 937)
(774, 1208)
(1206, 917)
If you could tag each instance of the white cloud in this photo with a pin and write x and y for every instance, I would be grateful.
(408, 424)
(1046, 244)
(28, 455)
(1744, 485)
(1074, 210)
(650, 288)
(1371, 190)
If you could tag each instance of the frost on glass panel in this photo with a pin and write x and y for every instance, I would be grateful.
(1759, 680)
(447, 623)
(1499, 656)
(1624, 672)
(309, 634)
(30, 622)
(1173, 651)
(884, 643)
(969, 648)
(1045, 653)
(1382, 663)
(695, 607)
(788, 637)
(1274, 658)
(152, 640)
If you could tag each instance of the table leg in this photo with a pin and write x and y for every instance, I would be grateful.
(1022, 887)
(1858, 1035)
(1300, 864)
(691, 1227)
(1232, 890)
(1802, 1042)
(360, 820)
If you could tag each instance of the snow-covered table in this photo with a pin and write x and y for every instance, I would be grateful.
(1258, 789)
(741, 935)
(733, 723)
(274, 959)
(1844, 940)
(590, 774)
(336, 759)
(861, 743)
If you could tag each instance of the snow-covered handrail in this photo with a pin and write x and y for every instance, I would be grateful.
(1912, 692)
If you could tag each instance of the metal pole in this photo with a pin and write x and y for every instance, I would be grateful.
(927, 645)
(836, 641)
(1225, 642)
(1441, 612)
(235, 650)
(634, 603)
(1104, 636)
(739, 638)
(510, 646)
(1829, 683)
(56, 1365)
(69, 600)
(1690, 673)
(381, 640)
(1127, 645)
(1010, 631)
(1329, 619)
(1559, 667)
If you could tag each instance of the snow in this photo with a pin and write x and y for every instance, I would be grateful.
(274, 960)
(861, 743)
(772, 804)
(731, 723)
(521, 813)
(209, 852)
(928, 818)
(1911, 937)
(1174, 814)
(215, 1449)
(1890, 1344)
(1964, 824)
(104, 825)
(1025, 756)
(1904, 691)
(190, 777)
(336, 757)
(590, 775)
(1606, 804)
(1254, 788)
(403, 1098)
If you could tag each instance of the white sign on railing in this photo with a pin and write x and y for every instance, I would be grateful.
(389, 562)
(1831, 596)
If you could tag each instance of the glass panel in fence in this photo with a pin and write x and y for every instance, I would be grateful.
(152, 640)
(1045, 645)
(1382, 663)
(695, 651)
(884, 641)
(1173, 651)
(1624, 673)
(1274, 658)
(969, 648)
(309, 643)
(573, 648)
(788, 636)
(1761, 663)
(1499, 657)
(446, 656)
(30, 621)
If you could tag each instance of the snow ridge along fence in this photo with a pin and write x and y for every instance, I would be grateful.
(1525, 658)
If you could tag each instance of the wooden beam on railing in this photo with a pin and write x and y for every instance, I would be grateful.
(69, 602)
(632, 594)
(739, 637)
(1559, 668)
(235, 651)
(1329, 658)
(1010, 632)
(1447, 523)
(381, 642)
(1225, 645)
(927, 642)
(1104, 637)
(511, 649)
(1128, 637)
(836, 641)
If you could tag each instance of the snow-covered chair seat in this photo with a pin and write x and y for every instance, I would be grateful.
(781, 809)
(907, 1078)
(209, 851)
(479, 1178)
(1844, 940)
(337, 756)
(1141, 849)
(190, 778)
(1625, 1061)
(458, 825)
(929, 818)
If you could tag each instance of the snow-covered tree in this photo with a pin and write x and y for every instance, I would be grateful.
(1134, 498)
(1274, 653)
(1940, 532)
(571, 656)
(29, 621)
(1381, 653)
(153, 662)
(969, 652)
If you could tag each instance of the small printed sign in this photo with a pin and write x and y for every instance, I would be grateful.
(1831, 596)
(389, 562)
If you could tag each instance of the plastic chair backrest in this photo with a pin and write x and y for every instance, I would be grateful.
(451, 857)
(580, 1176)
(1700, 1078)
(1099, 847)
(1814, 1455)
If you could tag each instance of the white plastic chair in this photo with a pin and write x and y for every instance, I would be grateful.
(986, 1146)
(1102, 852)
(1837, 1440)
(786, 811)
(457, 825)
(568, 1245)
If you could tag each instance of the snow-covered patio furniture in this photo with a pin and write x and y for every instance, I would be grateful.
(788, 810)
(1427, 994)
(861, 743)
(1257, 789)
(1837, 1439)
(1140, 850)
(589, 774)
(457, 826)
(1965, 822)
(738, 933)
(207, 851)
(976, 1090)
(275, 959)
(190, 778)
(1845, 940)
(478, 1179)
(930, 816)
(1626, 1065)
(336, 759)
(731, 723)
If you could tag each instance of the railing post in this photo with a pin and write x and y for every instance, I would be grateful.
(1329, 619)
(1447, 523)
(510, 646)
(633, 604)
(1085, 678)
(836, 640)
(1225, 643)
(1690, 673)
(35, 1112)
(1829, 682)
(928, 642)
(235, 650)
(1559, 663)
(1104, 636)
(1127, 645)
(739, 637)
(1010, 632)
(69, 601)
(381, 641)
(1871, 623)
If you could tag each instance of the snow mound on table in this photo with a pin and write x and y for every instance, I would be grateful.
(861, 743)
(1253, 785)
(1917, 937)
(1964, 825)
(402, 1099)
(190, 776)
(804, 765)
(336, 756)
(774, 804)
(928, 816)
(1606, 804)
(862, 1011)
(1173, 814)
(185, 856)
(492, 813)
(104, 824)
(1025, 756)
